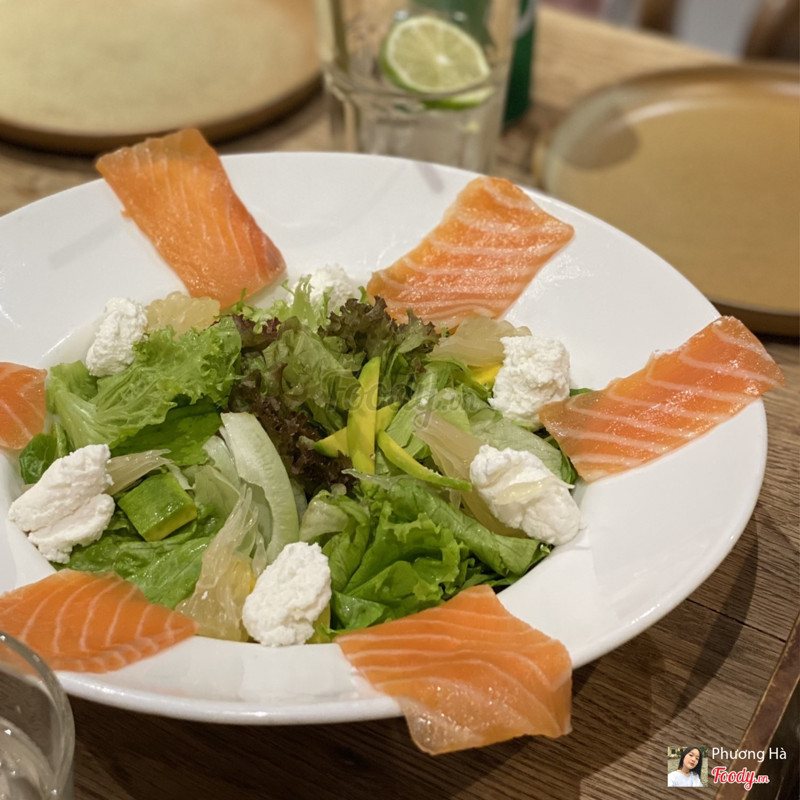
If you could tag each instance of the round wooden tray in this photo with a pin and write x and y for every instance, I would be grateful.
(701, 165)
(91, 75)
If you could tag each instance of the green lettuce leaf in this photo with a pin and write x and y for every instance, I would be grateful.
(437, 377)
(502, 433)
(509, 556)
(403, 548)
(298, 303)
(41, 452)
(182, 434)
(387, 569)
(166, 571)
(165, 373)
(74, 378)
(309, 376)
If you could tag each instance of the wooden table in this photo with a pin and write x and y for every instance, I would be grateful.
(698, 676)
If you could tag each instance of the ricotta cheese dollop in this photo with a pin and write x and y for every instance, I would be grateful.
(535, 371)
(68, 505)
(123, 325)
(342, 287)
(289, 596)
(523, 493)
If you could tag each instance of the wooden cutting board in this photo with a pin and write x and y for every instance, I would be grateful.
(89, 75)
(701, 165)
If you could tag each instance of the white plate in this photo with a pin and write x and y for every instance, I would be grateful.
(651, 536)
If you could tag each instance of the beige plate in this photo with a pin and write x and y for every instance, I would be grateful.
(89, 75)
(703, 166)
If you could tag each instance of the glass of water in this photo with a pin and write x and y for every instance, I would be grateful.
(422, 79)
(37, 734)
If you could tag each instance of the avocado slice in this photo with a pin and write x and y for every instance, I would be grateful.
(361, 418)
(158, 506)
(396, 455)
(336, 443)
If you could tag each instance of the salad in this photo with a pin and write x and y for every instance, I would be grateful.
(286, 473)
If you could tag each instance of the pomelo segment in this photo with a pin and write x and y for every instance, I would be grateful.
(182, 313)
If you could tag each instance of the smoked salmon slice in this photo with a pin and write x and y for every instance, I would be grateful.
(677, 396)
(467, 673)
(22, 404)
(491, 242)
(82, 622)
(177, 191)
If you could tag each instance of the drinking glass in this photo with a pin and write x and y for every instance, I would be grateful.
(37, 734)
(371, 113)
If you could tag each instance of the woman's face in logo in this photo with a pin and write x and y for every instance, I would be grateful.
(691, 758)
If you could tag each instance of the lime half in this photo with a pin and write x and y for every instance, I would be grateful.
(428, 55)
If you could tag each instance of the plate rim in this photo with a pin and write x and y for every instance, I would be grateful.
(217, 126)
(782, 76)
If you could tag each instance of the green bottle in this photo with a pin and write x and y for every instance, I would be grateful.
(519, 77)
